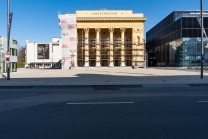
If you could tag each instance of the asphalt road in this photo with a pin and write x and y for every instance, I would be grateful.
(115, 113)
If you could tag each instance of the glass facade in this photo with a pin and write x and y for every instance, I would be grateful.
(189, 52)
(175, 41)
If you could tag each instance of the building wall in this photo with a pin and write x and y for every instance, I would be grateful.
(13, 54)
(32, 60)
(88, 22)
(175, 41)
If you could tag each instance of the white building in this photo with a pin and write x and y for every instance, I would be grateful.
(13, 54)
(43, 54)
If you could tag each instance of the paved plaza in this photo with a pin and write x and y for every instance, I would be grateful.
(105, 76)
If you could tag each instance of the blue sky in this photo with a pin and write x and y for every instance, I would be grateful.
(37, 20)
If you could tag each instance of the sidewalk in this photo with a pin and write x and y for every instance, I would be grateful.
(104, 76)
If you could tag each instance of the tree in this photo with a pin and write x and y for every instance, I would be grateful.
(21, 54)
(21, 57)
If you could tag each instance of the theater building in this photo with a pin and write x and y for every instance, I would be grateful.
(101, 38)
(104, 37)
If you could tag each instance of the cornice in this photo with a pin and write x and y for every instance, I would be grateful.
(111, 20)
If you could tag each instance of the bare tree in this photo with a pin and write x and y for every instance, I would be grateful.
(21, 54)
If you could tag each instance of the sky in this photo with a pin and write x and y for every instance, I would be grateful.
(37, 20)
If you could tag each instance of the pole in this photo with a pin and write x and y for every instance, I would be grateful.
(202, 38)
(82, 50)
(8, 37)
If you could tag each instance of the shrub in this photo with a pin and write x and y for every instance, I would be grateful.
(20, 64)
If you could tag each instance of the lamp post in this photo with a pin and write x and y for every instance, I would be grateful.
(8, 37)
(145, 54)
(202, 38)
(9, 22)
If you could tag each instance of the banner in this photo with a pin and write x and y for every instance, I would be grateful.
(43, 51)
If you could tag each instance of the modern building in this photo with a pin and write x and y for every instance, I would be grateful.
(95, 38)
(42, 54)
(12, 57)
(176, 40)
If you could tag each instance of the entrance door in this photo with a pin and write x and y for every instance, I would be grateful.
(92, 63)
(104, 63)
(115, 62)
(81, 63)
(128, 63)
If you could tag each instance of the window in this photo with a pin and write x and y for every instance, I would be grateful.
(116, 42)
(104, 42)
(82, 42)
(92, 42)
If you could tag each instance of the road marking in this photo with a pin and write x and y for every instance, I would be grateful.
(94, 103)
(202, 101)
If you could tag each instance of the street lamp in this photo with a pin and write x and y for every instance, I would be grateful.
(9, 21)
(202, 38)
(145, 54)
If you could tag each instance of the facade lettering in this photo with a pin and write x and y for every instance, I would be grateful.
(104, 13)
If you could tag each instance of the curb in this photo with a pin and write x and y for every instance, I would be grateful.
(105, 87)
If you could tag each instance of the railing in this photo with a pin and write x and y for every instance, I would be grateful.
(116, 45)
(80, 45)
(92, 45)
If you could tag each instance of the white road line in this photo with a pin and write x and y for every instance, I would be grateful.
(94, 103)
(202, 101)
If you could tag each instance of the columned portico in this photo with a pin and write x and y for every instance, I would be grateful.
(122, 47)
(110, 38)
(111, 59)
(86, 30)
(98, 47)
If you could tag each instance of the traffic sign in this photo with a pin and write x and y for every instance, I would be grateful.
(7, 53)
(7, 59)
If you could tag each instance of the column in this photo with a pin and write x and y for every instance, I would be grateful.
(86, 30)
(98, 47)
(122, 47)
(111, 48)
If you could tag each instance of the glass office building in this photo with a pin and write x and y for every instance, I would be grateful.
(176, 40)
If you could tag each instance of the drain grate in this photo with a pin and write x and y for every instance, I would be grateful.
(105, 87)
(198, 85)
(16, 87)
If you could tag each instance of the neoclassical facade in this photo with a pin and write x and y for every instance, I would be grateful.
(97, 38)
(110, 38)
